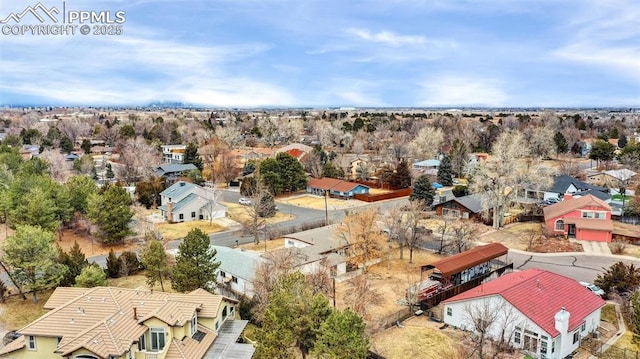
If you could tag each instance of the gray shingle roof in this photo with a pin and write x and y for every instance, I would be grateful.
(472, 202)
(178, 189)
(240, 263)
(174, 168)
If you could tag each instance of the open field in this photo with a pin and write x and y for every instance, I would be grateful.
(318, 202)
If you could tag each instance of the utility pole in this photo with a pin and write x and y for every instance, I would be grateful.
(326, 209)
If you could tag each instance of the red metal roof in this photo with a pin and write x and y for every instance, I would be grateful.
(459, 262)
(539, 295)
(324, 183)
(333, 184)
(295, 153)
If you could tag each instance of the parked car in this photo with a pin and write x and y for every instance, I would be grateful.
(244, 201)
(592, 287)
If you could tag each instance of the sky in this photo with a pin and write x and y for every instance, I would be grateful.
(328, 53)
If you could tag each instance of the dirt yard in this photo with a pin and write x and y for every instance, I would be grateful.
(418, 338)
(171, 231)
(91, 246)
(390, 278)
(528, 236)
(317, 202)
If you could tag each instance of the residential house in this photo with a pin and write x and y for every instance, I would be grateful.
(296, 150)
(237, 270)
(612, 178)
(585, 218)
(467, 207)
(243, 156)
(184, 202)
(544, 314)
(335, 187)
(316, 245)
(173, 171)
(561, 185)
(28, 152)
(351, 163)
(428, 167)
(122, 323)
(173, 153)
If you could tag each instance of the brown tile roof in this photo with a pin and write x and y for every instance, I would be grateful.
(345, 186)
(572, 204)
(591, 224)
(101, 319)
(189, 348)
(468, 259)
(60, 297)
(17, 344)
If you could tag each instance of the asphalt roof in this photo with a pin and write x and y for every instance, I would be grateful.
(562, 183)
(472, 202)
(539, 295)
(175, 167)
(240, 263)
(177, 189)
(467, 259)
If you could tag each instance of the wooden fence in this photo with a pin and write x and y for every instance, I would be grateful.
(382, 196)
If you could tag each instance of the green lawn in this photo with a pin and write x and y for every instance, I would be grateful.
(618, 197)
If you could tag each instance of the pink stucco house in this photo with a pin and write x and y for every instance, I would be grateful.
(585, 218)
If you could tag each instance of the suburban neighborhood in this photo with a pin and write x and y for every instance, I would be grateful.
(128, 242)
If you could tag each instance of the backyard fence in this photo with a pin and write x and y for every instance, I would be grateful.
(366, 197)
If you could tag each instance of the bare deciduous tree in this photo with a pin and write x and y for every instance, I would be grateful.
(230, 134)
(137, 159)
(497, 178)
(490, 320)
(541, 142)
(58, 165)
(276, 265)
(362, 296)
(462, 234)
(361, 232)
(227, 170)
(426, 143)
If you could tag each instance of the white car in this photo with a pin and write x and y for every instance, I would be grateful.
(592, 287)
(244, 201)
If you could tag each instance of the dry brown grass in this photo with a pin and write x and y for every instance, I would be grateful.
(317, 202)
(239, 214)
(378, 191)
(271, 245)
(171, 231)
(90, 246)
(391, 277)
(17, 313)
(417, 340)
(139, 281)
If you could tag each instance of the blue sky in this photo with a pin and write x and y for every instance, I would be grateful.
(308, 53)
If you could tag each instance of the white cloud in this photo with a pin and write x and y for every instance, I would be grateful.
(605, 34)
(388, 38)
(462, 91)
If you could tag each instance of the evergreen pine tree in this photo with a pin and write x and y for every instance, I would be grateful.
(423, 191)
(445, 172)
(195, 264)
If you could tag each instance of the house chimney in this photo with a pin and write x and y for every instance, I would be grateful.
(562, 321)
(135, 313)
(170, 211)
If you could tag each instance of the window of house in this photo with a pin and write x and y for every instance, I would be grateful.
(181, 216)
(231, 312)
(193, 214)
(553, 346)
(31, 342)
(142, 345)
(543, 346)
(559, 225)
(217, 325)
(449, 311)
(587, 214)
(157, 339)
(224, 312)
(584, 326)
(530, 341)
(576, 336)
(234, 279)
(194, 324)
(223, 274)
(600, 215)
(517, 336)
(130, 355)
